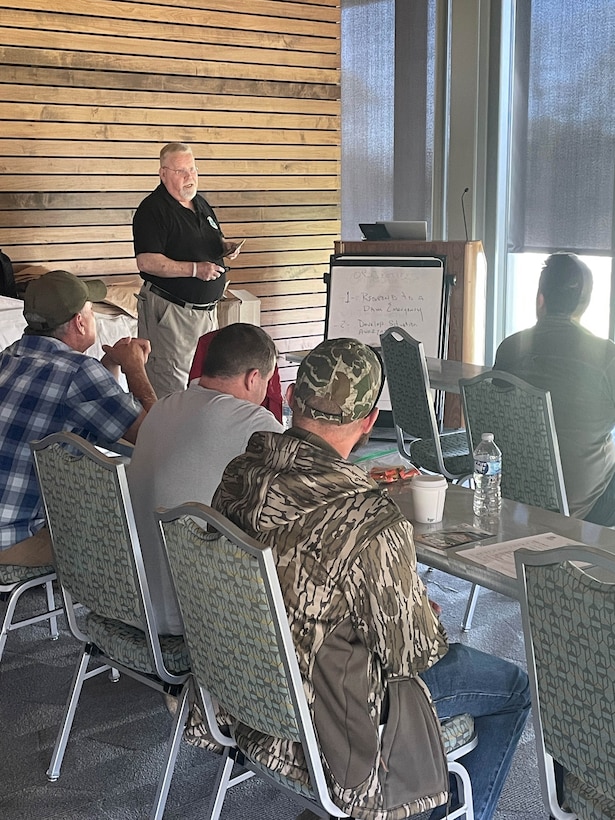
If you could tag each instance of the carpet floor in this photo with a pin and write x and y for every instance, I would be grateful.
(120, 731)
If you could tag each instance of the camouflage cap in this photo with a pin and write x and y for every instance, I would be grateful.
(339, 381)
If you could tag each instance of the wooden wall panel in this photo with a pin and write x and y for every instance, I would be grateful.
(89, 93)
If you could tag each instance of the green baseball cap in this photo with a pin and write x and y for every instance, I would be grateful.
(57, 296)
(339, 381)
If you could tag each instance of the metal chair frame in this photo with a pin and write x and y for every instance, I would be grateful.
(475, 430)
(12, 592)
(429, 431)
(176, 526)
(571, 563)
(75, 591)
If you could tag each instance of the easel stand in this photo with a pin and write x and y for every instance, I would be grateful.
(465, 262)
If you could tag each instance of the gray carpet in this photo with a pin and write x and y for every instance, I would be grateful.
(118, 739)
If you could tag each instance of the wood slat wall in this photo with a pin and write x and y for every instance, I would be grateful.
(89, 93)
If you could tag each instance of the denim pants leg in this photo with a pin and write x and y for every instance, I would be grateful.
(496, 693)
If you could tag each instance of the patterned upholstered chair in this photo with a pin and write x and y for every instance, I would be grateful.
(99, 565)
(569, 624)
(413, 410)
(14, 581)
(520, 417)
(243, 656)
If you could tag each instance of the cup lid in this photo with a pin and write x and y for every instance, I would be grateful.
(431, 482)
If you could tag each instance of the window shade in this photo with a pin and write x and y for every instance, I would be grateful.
(563, 127)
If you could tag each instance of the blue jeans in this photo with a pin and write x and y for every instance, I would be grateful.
(496, 693)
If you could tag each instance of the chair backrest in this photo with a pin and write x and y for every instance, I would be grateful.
(520, 416)
(94, 537)
(569, 623)
(236, 627)
(409, 389)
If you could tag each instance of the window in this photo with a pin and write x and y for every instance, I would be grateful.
(562, 160)
(563, 126)
(387, 111)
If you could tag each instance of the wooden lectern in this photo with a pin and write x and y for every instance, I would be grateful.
(466, 262)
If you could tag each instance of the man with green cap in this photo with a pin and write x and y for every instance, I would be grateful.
(369, 644)
(48, 385)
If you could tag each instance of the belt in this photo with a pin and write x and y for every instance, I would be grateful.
(176, 300)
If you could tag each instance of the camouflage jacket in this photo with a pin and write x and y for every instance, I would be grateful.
(358, 611)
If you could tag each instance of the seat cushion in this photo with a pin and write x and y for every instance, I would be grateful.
(127, 645)
(457, 731)
(291, 774)
(588, 803)
(457, 459)
(13, 574)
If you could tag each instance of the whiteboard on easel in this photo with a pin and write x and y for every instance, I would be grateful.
(366, 296)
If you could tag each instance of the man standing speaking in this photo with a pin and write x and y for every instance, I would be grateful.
(179, 248)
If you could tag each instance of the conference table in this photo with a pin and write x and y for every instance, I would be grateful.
(516, 521)
(486, 561)
(444, 374)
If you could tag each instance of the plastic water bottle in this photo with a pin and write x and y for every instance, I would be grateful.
(487, 477)
(287, 416)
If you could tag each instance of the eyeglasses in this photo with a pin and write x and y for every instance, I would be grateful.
(183, 172)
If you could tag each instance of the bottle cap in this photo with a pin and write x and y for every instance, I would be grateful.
(487, 437)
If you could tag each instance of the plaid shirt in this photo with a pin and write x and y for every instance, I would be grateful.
(46, 387)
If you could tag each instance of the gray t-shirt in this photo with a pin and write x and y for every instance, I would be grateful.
(183, 446)
(578, 369)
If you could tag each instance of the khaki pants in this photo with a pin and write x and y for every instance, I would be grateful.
(32, 552)
(173, 332)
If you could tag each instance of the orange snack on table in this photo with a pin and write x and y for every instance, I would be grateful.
(407, 472)
(384, 474)
(387, 475)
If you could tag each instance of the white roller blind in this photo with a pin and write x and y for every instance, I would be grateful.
(564, 127)
(387, 111)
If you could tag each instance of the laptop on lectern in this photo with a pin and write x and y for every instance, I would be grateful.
(406, 230)
(374, 231)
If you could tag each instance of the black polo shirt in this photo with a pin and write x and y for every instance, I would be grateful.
(162, 225)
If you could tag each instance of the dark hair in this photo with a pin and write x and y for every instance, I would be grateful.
(238, 348)
(565, 283)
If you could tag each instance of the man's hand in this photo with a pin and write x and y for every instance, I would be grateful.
(436, 607)
(145, 345)
(231, 249)
(129, 354)
(208, 271)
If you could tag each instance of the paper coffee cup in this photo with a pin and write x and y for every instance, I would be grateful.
(428, 494)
